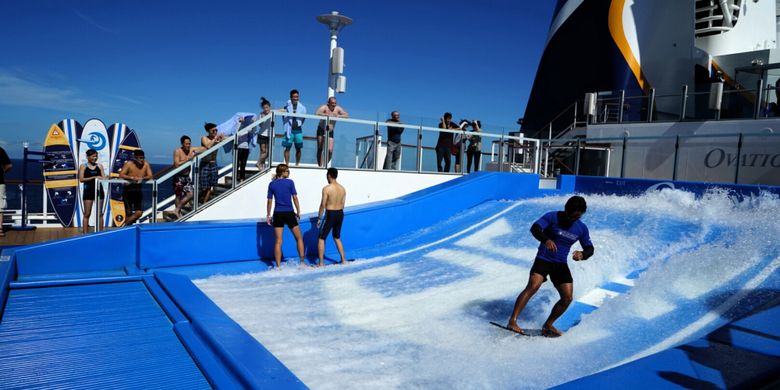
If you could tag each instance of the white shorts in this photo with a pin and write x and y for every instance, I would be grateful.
(3, 203)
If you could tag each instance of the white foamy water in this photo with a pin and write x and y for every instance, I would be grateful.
(414, 313)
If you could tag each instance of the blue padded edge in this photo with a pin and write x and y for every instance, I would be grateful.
(246, 358)
(111, 250)
(7, 274)
(204, 357)
(73, 282)
(640, 374)
(165, 302)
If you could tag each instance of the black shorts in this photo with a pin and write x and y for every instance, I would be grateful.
(262, 139)
(333, 220)
(321, 132)
(559, 272)
(133, 198)
(282, 218)
(89, 193)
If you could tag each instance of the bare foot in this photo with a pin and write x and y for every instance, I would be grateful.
(343, 261)
(551, 331)
(513, 327)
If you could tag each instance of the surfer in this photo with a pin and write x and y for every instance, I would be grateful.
(282, 189)
(136, 171)
(88, 174)
(333, 198)
(556, 232)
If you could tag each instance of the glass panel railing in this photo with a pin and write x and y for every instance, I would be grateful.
(343, 144)
(650, 158)
(758, 158)
(710, 158)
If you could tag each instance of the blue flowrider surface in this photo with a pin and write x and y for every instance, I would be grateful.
(91, 336)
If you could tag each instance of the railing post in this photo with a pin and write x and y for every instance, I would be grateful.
(547, 159)
(621, 102)
(739, 157)
(623, 157)
(24, 188)
(377, 143)
(154, 201)
(683, 101)
(537, 155)
(462, 151)
(759, 93)
(326, 144)
(577, 159)
(650, 105)
(196, 180)
(501, 154)
(676, 151)
(235, 160)
(271, 140)
(419, 149)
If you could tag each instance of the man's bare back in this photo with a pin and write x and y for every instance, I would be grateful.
(335, 196)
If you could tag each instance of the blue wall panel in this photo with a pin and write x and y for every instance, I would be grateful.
(112, 250)
(616, 186)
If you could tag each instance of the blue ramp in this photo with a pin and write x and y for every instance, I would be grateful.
(91, 336)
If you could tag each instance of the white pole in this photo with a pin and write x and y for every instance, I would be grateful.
(331, 77)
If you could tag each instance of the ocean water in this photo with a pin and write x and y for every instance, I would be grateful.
(415, 312)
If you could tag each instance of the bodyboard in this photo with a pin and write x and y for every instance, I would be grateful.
(124, 153)
(116, 133)
(94, 136)
(60, 175)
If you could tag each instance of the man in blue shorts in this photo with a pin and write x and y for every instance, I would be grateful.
(556, 232)
(293, 130)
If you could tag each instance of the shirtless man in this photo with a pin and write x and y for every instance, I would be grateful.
(182, 183)
(328, 109)
(333, 197)
(136, 170)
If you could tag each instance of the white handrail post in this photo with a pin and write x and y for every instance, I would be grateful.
(419, 149)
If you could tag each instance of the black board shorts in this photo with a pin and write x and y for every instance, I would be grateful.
(333, 220)
(133, 198)
(282, 218)
(559, 272)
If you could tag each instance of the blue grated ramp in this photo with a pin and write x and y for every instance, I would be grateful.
(91, 336)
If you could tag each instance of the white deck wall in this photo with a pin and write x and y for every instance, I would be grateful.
(362, 187)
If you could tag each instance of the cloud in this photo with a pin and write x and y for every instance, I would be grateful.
(93, 22)
(17, 91)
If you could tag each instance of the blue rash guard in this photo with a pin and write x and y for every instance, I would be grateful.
(563, 238)
(282, 190)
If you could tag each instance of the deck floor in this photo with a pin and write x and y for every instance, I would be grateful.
(17, 237)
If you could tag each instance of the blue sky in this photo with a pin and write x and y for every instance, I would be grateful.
(165, 68)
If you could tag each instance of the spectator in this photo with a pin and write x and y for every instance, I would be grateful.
(265, 132)
(330, 109)
(182, 183)
(136, 171)
(5, 166)
(393, 142)
(88, 174)
(293, 130)
(474, 150)
(282, 189)
(209, 171)
(444, 143)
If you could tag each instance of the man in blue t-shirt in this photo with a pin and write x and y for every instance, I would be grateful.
(282, 189)
(556, 231)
